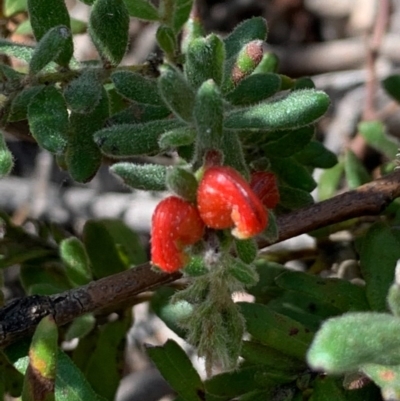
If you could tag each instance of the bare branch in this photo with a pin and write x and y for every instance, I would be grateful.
(20, 317)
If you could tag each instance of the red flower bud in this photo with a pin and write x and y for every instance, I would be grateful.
(225, 199)
(265, 187)
(176, 224)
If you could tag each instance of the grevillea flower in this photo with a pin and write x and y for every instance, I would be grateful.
(176, 224)
(265, 187)
(225, 199)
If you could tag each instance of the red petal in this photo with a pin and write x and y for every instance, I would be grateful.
(225, 199)
(265, 187)
(175, 224)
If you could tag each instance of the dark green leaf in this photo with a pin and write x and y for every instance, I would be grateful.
(232, 150)
(356, 173)
(81, 142)
(136, 87)
(182, 182)
(102, 250)
(254, 88)
(50, 47)
(80, 327)
(269, 63)
(293, 173)
(149, 177)
(19, 106)
(294, 198)
(204, 60)
(392, 86)
(289, 143)
(138, 113)
(303, 83)
(345, 343)
(379, 252)
(315, 154)
(325, 388)
(133, 139)
(73, 254)
(49, 129)
(105, 365)
(181, 13)
(275, 330)
(246, 249)
(176, 92)
(339, 293)
(242, 272)
(295, 110)
(108, 28)
(84, 93)
(374, 133)
(42, 20)
(175, 366)
(12, 379)
(142, 9)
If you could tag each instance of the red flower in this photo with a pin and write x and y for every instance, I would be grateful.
(175, 224)
(225, 200)
(265, 187)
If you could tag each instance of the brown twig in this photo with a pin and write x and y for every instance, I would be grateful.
(20, 317)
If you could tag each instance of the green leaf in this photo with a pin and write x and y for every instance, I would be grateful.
(269, 63)
(248, 30)
(83, 94)
(6, 157)
(171, 313)
(12, 379)
(75, 258)
(136, 87)
(8, 74)
(243, 272)
(246, 249)
(176, 92)
(356, 173)
(315, 154)
(175, 366)
(329, 181)
(49, 129)
(133, 139)
(275, 330)
(12, 7)
(80, 327)
(148, 177)
(71, 384)
(325, 388)
(40, 376)
(49, 48)
(374, 133)
(204, 60)
(105, 377)
(289, 143)
(81, 141)
(208, 117)
(167, 40)
(42, 21)
(38, 277)
(19, 105)
(346, 343)
(230, 385)
(379, 252)
(108, 28)
(77, 26)
(141, 9)
(181, 13)
(391, 84)
(19, 51)
(271, 233)
(138, 113)
(254, 89)
(178, 137)
(182, 182)
(386, 377)
(232, 150)
(297, 109)
(293, 173)
(339, 293)
(303, 83)
(259, 354)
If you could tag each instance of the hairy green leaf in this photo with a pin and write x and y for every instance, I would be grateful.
(6, 157)
(142, 9)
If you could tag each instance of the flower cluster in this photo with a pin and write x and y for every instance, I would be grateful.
(224, 200)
